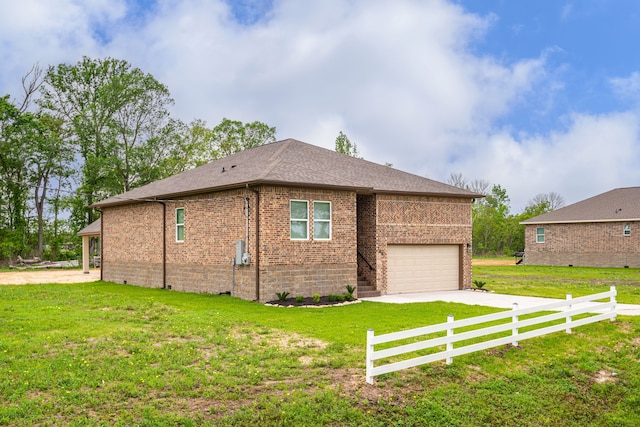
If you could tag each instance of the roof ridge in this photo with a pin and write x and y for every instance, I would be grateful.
(275, 158)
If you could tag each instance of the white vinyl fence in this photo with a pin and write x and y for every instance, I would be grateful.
(567, 309)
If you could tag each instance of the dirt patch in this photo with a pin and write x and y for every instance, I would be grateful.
(605, 377)
(24, 277)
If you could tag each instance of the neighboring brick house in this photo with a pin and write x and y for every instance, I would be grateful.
(289, 216)
(602, 231)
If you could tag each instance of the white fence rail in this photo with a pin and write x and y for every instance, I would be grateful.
(567, 309)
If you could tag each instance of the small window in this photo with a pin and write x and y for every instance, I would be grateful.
(299, 219)
(540, 235)
(322, 220)
(180, 225)
(626, 230)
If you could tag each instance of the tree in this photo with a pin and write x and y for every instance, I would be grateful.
(493, 227)
(345, 146)
(458, 180)
(14, 130)
(232, 136)
(478, 186)
(114, 115)
(551, 201)
(49, 161)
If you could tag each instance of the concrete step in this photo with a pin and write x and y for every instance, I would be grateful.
(368, 294)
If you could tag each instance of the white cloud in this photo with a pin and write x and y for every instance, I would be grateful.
(566, 12)
(592, 155)
(48, 33)
(627, 87)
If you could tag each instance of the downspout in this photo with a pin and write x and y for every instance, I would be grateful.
(101, 242)
(257, 245)
(164, 243)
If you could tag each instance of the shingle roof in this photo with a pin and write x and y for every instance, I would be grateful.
(293, 163)
(621, 204)
(92, 229)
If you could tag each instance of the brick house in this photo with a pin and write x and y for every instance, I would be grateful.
(289, 216)
(602, 231)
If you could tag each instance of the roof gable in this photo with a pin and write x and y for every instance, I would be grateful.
(621, 204)
(93, 229)
(293, 163)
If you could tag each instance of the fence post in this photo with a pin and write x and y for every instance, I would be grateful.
(369, 374)
(568, 318)
(613, 291)
(449, 343)
(514, 321)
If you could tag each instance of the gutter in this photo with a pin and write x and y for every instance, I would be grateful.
(257, 244)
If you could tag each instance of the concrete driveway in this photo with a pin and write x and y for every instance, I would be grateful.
(488, 299)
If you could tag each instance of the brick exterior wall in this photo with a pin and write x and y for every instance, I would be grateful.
(132, 250)
(306, 267)
(584, 244)
(213, 222)
(133, 244)
(366, 212)
(412, 220)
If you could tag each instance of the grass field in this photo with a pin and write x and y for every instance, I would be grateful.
(107, 354)
(556, 282)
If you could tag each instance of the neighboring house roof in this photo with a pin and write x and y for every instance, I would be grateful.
(292, 163)
(92, 229)
(621, 204)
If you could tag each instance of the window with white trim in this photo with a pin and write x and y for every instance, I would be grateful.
(322, 220)
(299, 219)
(626, 230)
(180, 225)
(540, 235)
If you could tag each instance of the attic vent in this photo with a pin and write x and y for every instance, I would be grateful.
(224, 170)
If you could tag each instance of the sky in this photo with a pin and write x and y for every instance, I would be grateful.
(536, 96)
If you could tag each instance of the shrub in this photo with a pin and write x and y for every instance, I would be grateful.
(282, 295)
(479, 284)
(350, 291)
(299, 299)
(336, 298)
(316, 298)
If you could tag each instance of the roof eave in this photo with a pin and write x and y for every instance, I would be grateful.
(357, 189)
(166, 196)
(253, 183)
(428, 193)
(580, 221)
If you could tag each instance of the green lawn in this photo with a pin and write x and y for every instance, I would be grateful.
(556, 282)
(107, 354)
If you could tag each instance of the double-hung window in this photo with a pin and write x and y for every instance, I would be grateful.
(322, 220)
(540, 235)
(180, 225)
(626, 230)
(299, 219)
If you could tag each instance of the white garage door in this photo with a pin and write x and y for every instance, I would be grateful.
(422, 268)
